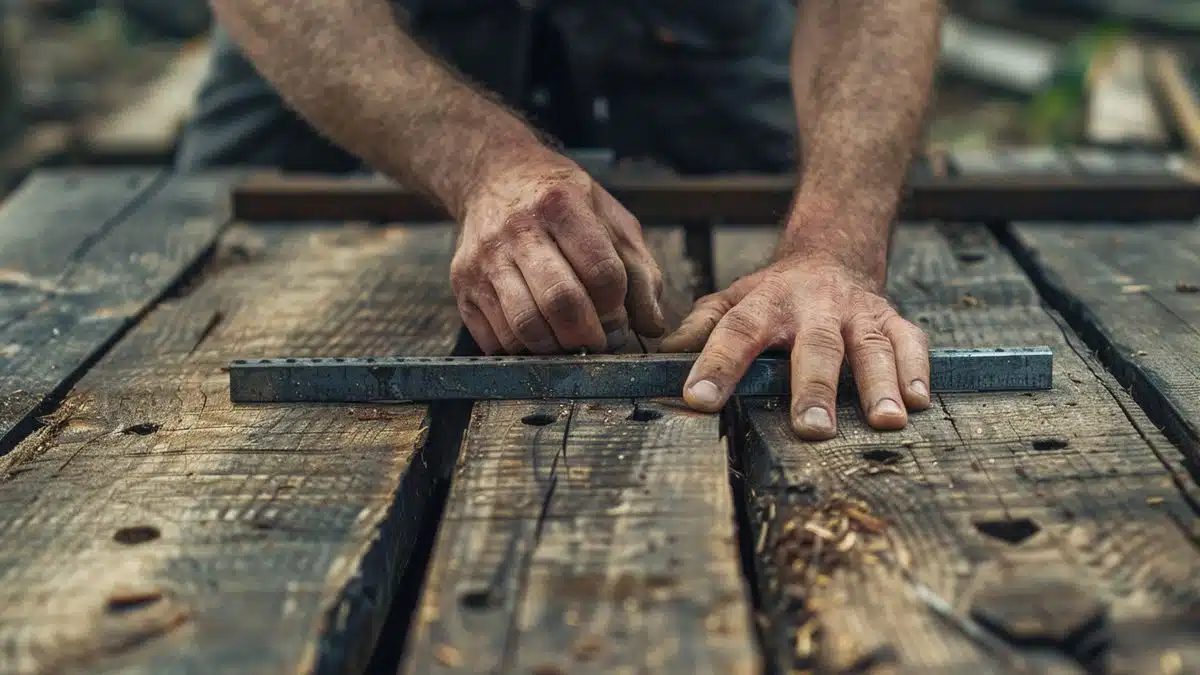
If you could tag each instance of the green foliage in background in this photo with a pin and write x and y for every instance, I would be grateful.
(1056, 115)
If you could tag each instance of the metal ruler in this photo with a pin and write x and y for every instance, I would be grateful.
(433, 378)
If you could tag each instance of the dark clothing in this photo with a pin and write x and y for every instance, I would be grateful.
(701, 86)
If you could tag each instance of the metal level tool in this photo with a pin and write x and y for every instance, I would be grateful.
(360, 380)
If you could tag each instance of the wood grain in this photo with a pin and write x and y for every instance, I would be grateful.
(589, 537)
(1069, 496)
(83, 254)
(1135, 296)
(165, 530)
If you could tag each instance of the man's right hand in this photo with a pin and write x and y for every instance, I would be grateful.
(548, 261)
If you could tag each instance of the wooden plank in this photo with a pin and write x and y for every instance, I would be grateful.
(656, 200)
(1134, 294)
(83, 254)
(588, 537)
(1068, 498)
(165, 530)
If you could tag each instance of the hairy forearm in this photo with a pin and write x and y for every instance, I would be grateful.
(862, 71)
(346, 67)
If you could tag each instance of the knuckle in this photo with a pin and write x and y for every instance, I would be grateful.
(563, 299)
(743, 325)
(775, 284)
(519, 225)
(816, 389)
(463, 272)
(527, 323)
(713, 302)
(823, 338)
(556, 202)
(606, 277)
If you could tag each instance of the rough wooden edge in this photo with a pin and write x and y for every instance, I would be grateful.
(1145, 386)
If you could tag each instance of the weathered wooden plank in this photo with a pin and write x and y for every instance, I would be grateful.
(162, 529)
(1134, 293)
(996, 503)
(589, 537)
(82, 255)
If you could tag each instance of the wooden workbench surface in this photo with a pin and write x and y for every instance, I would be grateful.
(148, 525)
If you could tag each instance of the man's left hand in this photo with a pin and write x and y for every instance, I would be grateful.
(824, 312)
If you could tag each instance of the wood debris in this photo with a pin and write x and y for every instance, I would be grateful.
(808, 544)
(968, 301)
(1186, 287)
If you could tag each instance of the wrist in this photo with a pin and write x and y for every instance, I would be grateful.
(852, 234)
(494, 152)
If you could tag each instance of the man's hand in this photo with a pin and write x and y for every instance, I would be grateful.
(549, 261)
(824, 312)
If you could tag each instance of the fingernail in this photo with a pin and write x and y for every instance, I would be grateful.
(918, 387)
(817, 418)
(705, 394)
(888, 407)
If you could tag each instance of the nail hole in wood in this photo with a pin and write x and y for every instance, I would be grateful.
(971, 256)
(143, 429)
(644, 415)
(475, 600)
(880, 456)
(1008, 531)
(538, 420)
(132, 602)
(138, 534)
(1044, 444)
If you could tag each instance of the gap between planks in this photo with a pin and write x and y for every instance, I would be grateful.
(593, 536)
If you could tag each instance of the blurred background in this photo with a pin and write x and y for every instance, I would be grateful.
(107, 82)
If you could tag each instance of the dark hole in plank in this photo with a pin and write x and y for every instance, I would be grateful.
(138, 534)
(1009, 531)
(538, 419)
(477, 600)
(1044, 444)
(132, 602)
(143, 429)
(644, 415)
(972, 256)
(880, 456)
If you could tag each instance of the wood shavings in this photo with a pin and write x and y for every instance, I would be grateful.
(968, 301)
(809, 544)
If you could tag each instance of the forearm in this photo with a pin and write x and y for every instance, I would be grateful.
(862, 71)
(346, 67)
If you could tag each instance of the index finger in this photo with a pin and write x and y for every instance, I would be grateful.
(739, 337)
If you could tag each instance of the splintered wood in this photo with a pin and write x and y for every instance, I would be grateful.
(162, 529)
(589, 537)
(985, 500)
